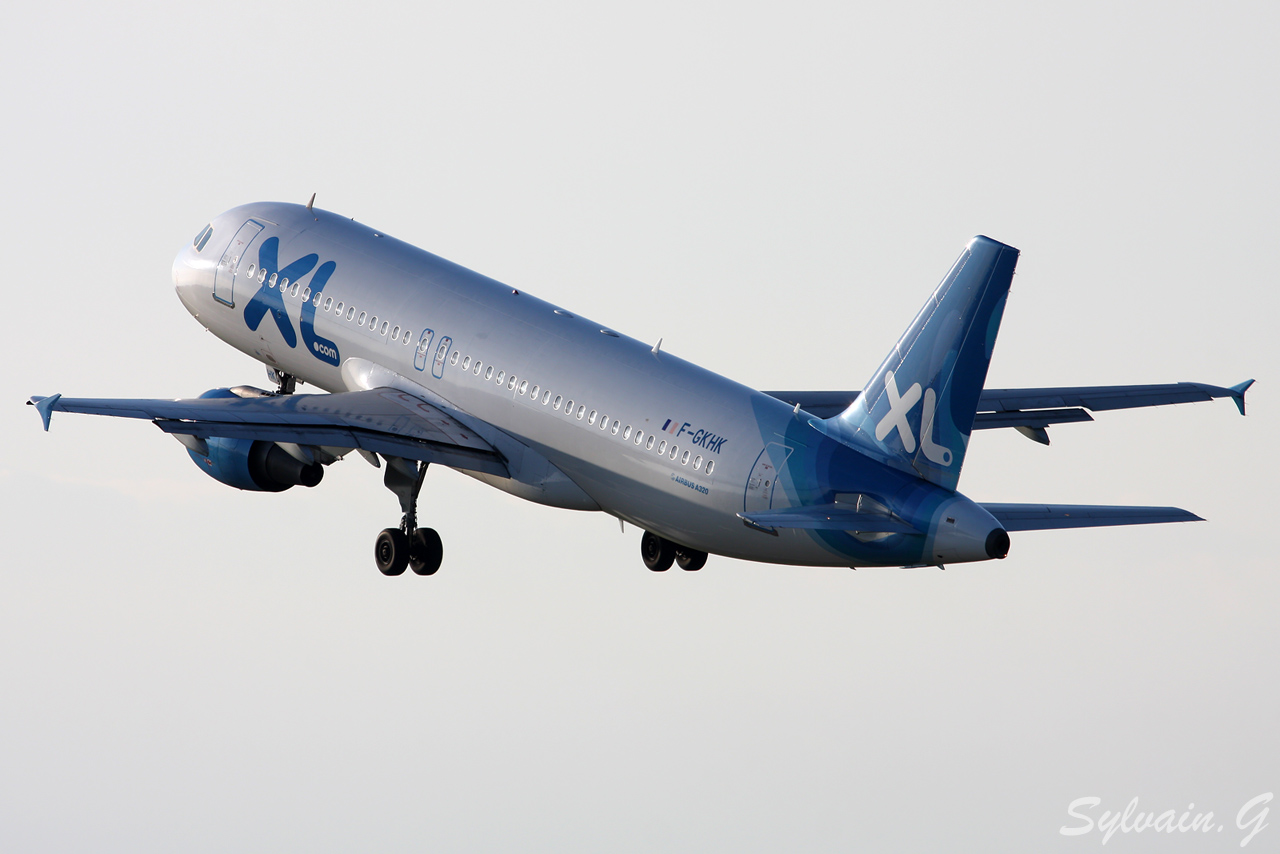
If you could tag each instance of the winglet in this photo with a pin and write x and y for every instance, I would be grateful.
(1237, 394)
(44, 405)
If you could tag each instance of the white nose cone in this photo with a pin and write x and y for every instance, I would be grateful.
(193, 279)
(965, 532)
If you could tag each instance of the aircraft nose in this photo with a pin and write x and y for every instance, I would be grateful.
(193, 271)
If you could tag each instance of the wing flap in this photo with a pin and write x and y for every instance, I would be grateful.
(1035, 418)
(1044, 517)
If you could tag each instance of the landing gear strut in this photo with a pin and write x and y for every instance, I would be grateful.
(408, 546)
(285, 383)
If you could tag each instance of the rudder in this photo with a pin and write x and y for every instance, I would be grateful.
(917, 410)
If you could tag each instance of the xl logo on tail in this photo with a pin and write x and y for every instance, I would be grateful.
(900, 407)
(268, 299)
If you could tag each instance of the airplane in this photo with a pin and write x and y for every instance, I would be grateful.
(422, 361)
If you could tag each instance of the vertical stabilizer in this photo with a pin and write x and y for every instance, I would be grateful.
(917, 411)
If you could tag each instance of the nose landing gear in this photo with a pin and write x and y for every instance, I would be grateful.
(408, 546)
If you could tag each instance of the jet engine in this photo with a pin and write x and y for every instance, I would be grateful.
(254, 466)
(249, 464)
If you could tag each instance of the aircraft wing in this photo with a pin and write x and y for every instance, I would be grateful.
(1031, 410)
(1043, 517)
(382, 420)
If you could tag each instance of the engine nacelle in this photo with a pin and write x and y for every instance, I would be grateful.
(250, 464)
(255, 466)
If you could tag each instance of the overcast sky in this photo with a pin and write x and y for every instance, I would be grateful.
(773, 191)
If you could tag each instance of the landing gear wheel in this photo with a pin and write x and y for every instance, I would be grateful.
(690, 560)
(391, 551)
(425, 551)
(658, 554)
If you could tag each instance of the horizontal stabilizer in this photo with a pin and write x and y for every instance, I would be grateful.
(1044, 517)
(828, 517)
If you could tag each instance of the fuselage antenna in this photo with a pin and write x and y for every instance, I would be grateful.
(309, 205)
(656, 347)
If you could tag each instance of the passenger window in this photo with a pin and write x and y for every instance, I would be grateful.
(262, 275)
(502, 375)
(373, 322)
(556, 405)
(476, 369)
(684, 460)
(294, 291)
(395, 333)
(361, 320)
(488, 375)
(351, 312)
(662, 447)
(604, 422)
(271, 282)
(568, 408)
(591, 419)
(648, 446)
(466, 363)
(407, 337)
(250, 271)
(674, 451)
(383, 330)
(697, 462)
(306, 294)
(524, 386)
(581, 409)
(639, 436)
(711, 466)
(614, 428)
(546, 396)
(315, 300)
(453, 357)
(511, 383)
(328, 303)
(626, 433)
(533, 392)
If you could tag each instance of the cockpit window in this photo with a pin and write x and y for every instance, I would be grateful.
(202, 238)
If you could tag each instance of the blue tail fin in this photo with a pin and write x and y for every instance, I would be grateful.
(917, 411)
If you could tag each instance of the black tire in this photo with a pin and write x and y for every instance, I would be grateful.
(657, 553)
(690, 560)
(391, 552)
(425, 551)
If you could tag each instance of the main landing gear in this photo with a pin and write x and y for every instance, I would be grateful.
(658, 554)
(408, 546)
